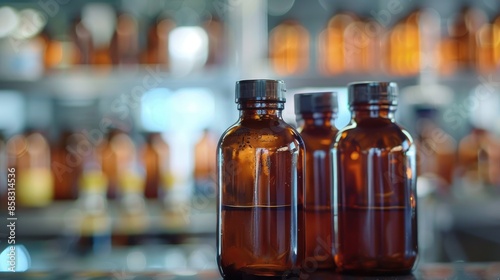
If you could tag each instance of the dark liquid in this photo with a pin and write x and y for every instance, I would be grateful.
(374, 239)
(256, 240)
(376, 228)
(318, 237)
(259, 169)
(318, 134)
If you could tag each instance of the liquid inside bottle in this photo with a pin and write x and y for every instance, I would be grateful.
(316, 113)
(260, 161)
(374, 163)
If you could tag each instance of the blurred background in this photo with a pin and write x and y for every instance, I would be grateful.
(110, 111)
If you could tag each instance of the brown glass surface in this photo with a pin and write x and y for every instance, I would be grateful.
(260, 161)
(318, 133)
(374, 161)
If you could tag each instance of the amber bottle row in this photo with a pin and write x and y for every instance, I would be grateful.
(100, 35)
(354, 44)
(111, 166)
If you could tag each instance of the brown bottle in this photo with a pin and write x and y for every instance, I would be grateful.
(436, 149)
(404, 47)
(205, 164)
(289, 48)
(93, 224)
(30, 155)
(374, 166)
(332, 46)
(109, 151)
(125, 42)
(67, 165)
(157, 43)
(82, 39)
(316, 112)
(260, 163)
(155, 156)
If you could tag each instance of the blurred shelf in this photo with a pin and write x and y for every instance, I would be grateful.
(60, 218)
(295, 82)
(86, 82)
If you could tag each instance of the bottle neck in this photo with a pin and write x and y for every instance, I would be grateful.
(371, 111)
(323, 119)
(257, 109)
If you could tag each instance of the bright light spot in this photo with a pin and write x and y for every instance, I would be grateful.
(136, 261)
(30, 24)
(194, 106)
(100, 20)
(154, 109)
(203, 258)
(12, 106)
(188, 49)
(17, 256)
(175, 260)
(9, 20)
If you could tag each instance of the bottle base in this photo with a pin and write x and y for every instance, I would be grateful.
(251, 272)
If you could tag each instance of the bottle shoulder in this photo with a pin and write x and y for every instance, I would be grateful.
(384, 135)
(260, 133)
(318, 138)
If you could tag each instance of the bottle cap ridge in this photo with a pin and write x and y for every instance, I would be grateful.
(269, 90)
(373, 93)
(316, 102)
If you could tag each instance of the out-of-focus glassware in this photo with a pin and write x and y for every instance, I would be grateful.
(94, 222)
(289, 48)
(30, 155)
(362, 39)
(404, 46)
(67, 163)
(125, 42)
(436, 149)
(459, 49)
(216, 41)
(205, 164)
(157, 42)
(332, 47)
(156, 159)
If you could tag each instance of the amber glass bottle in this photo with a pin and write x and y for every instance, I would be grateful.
(155, 156)
(316, 113)
(260, 172)
(374, 163)
(204, 164)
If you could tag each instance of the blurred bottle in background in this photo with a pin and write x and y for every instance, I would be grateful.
(133, 215)
(474, 158)
(108, 160)
(67, 165)
(29, 153)
(100, 20)
(436, 149)
(216, 41)
(289, 48)
(81, 36)
(205, 163)
(125, 42)
(458, 50)
(404, 46)
(94, 230)
(332, 47)
(157, 42)
(363, 46)
(156, 159)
